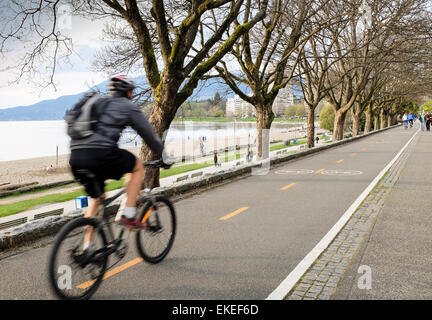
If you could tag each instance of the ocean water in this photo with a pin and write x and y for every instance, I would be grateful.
(31, 139)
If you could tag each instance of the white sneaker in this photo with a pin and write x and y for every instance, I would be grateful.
(121, 208)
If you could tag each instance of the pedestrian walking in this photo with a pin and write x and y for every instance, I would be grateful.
(428, 121)
(202, 149)
(422, 121)
(317, 140)
(249, 155)
(411, 119)
(405, 120)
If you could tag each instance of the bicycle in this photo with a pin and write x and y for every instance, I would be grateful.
(68, 277)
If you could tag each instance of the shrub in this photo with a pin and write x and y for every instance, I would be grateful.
(327, 116)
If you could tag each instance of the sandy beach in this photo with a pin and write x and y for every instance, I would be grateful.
(34, 169)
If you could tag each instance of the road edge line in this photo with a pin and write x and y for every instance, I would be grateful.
(295, 275)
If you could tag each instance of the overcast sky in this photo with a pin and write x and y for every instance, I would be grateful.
(69, 79)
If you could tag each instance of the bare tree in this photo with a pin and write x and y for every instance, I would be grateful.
(163, 36)
(316, 59)
(267, 59)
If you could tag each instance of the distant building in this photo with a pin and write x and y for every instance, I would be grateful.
(284, 99)
(237, 107)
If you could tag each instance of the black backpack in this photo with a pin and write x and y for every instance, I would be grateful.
(83, 117)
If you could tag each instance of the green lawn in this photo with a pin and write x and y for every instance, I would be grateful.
(182, 169)
(282, 146)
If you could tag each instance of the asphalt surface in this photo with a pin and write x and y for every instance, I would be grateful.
(246, 256)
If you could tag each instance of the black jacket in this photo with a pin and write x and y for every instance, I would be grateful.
(116, 113)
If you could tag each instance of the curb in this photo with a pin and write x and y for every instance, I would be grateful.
(34, 230)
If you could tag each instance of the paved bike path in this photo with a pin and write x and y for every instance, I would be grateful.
(248, 255)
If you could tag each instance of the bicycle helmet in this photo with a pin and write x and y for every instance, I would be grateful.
(121, 84)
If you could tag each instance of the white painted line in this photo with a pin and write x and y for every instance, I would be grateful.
(290, 281)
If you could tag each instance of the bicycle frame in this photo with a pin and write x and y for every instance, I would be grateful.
(105, 217)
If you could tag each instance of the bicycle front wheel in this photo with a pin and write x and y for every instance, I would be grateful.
(70, 275)
(155, 241)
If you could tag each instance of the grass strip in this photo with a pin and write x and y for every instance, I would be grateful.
(183, 169)
(283, 146)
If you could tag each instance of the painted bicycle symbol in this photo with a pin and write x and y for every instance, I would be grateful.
(341, 173)
(295, 171)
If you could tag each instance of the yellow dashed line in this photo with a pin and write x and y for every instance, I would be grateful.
(234, 213)
(340, 161)
(288, 186)
(319, 171)
(353, 155)
(112, 272)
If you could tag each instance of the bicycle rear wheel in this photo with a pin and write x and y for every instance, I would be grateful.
(70, 277)
(155, 241)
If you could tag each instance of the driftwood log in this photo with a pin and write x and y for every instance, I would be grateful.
(17, 186)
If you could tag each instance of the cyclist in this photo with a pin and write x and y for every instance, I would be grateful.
(411, 119)
(101, 155)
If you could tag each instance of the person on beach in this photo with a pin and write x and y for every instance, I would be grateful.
(50, 168)
(215, 159)
(100, 154)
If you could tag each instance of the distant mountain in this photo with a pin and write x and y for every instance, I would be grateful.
(45, 110)
(55, 109)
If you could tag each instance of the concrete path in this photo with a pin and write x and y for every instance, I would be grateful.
(397, 253)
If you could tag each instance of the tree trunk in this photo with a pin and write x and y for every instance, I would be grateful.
(356, 116)
(311, 127)
(376, 123)
(383, 120)
(356, 124)
(368, 123)
(164, 110)
(389, 120)
(264, 121)
(339, 125)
